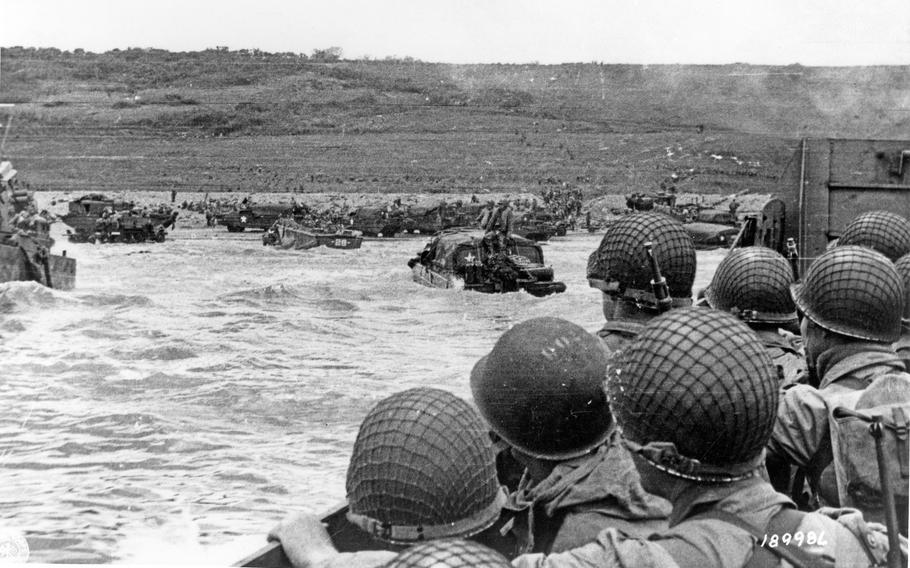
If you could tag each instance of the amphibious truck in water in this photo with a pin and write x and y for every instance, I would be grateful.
(459, 258)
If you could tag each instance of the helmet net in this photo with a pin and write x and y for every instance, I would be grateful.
(449, 553)
(698, 378)
(423, 457)
(621, 256)
(884, 231)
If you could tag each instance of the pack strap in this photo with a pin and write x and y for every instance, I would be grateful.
(787, 520)
(900, 426)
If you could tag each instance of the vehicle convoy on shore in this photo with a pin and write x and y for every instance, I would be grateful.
(461, 258)
(25, 240)
(98, 218)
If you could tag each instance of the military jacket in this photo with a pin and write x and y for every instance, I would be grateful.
(702, 542)
(585, 495)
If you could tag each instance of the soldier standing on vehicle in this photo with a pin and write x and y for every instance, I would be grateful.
(695, 399)
(503, 224)
(753, 283)
(852, 300)
(621, 268)
(491, 242)
(541, 391)
(484, 217)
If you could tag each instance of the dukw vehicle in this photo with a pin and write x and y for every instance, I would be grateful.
(25, 241)
(257, 216)
(98, 218)
(458, 258)
(286, 233)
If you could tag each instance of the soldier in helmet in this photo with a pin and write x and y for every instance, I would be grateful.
(422, 468)
(484, 217)
(883, 231)
(753, 283)
(694, 397)
(500, 225)
(541, 391)
(851, 299)
(622, 270)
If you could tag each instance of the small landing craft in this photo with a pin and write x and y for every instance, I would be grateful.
(460, 259)
(25, 242)
(288, 234)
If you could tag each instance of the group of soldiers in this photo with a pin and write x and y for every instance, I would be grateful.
(498, 221)
(731, 432)
(565, 201)
(31, 222)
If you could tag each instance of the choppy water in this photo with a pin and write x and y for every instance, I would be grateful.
(188, 394)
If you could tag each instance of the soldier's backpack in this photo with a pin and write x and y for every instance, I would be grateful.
(856, 463)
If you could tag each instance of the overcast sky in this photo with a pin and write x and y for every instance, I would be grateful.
(780, 32)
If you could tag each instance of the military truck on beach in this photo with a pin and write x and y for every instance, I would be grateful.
(98, 218)
(260, 217)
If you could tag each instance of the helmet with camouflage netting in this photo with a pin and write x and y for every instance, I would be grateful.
(449, 553)
(541, 389)
(695, 395)
(753, 283)
(423, 468)
(621, 261)
(853, 291)
(884, 231)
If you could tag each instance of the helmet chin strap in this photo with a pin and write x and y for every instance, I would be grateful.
(665, 457)
(645, 300)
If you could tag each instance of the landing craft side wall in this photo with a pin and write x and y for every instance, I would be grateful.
(831, 181)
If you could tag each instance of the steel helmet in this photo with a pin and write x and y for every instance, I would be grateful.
(541, 389)
(886, 232)
(422, 468)
(853, 291)
(903, 268)
(622, 258)
(449, 553)
(696, 395)
(753, 283)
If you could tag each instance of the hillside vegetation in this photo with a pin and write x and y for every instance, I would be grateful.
(253, 121)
